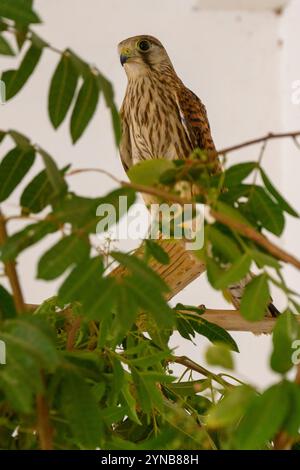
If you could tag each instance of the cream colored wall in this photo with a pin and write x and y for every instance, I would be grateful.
(241, 65)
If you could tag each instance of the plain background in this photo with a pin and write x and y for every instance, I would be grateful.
(241, 57)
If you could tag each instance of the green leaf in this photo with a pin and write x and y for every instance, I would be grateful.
(149, 396)
(38, 41)
(85, 106)
(235, 193)
(7, 306)
(68, 251)
(86, 285)
(292, 422)
(20, 398)
(213, 271)
(158, 253)
(87, 215)
(106, 87)
(20, 139)
(190, 308)
(281, 201)
(5, 47)
(223, 245)
(16, 380)
(189, 388)
(78, 211)
(33, 336)
(13, 168)
(86, 274)
(151, 301)
(214, 333)
(59, 186)
(19, 11)
(80, 409)
(231, 212)
(267, 212)
(112, 414)
(286, 331)
(219, 355)
(256, 298)
(130, 402)
(25, 238)
(62, 88)
(116, 123)
(21, 34)
(231, 408)
(239, 268)
(148, 172)
(147, 288)
(237, 173)
(263, 419)
(2, 135)
(82, 67)
(152, 359)
(140, 269)
(39, 193)
(263, 259)
(127, 309)
(16, 79)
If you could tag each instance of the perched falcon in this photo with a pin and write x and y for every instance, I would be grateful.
(161, 118)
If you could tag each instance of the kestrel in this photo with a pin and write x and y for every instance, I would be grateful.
(161, 117)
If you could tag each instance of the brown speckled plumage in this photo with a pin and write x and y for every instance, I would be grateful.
(161, 118)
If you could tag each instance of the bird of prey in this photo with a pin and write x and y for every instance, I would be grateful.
(161, 117)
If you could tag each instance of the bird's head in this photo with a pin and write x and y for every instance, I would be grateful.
(140, 54)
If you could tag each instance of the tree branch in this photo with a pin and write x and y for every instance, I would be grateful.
(189, 364)
(11, 272)
(72, 332)
(232, 320)
(270, 136)
(44, 428)
(257, 237)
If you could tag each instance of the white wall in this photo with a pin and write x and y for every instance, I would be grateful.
(234, 60)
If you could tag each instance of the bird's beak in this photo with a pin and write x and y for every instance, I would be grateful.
(125, 55)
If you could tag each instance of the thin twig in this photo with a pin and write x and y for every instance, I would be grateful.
(257, 237)
(77, 171)
(270, 136)
(188, 363)
(232, 320)
(44, 428)
(72, 332)
(160, 193)
(11, 272)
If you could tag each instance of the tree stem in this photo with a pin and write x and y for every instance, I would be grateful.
(11, 272)
(44, 427)
(270, 136)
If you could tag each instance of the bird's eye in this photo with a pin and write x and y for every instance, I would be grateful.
(143, 45)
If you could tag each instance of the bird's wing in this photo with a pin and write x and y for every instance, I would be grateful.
(194, 119)
(125, 145)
